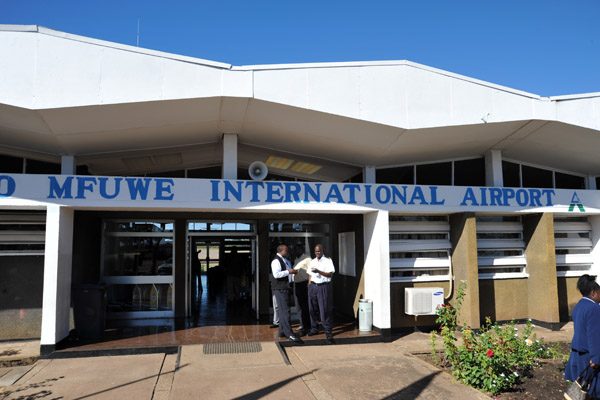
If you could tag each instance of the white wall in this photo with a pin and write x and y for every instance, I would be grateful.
(377, 266)
(57, 274)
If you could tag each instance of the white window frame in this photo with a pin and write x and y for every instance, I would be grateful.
(422, 246)
(573, 243)
(17, 237)
(139, 280)
(501, 262)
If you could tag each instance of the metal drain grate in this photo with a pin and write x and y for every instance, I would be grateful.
(232, 348)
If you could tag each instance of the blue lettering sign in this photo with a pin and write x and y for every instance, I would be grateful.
(254, 185)
(385, 197)
(292, 192)
(138, 186)
(397, 195)
(334, 192)
(315, 194)
(161, 188)
(235, 192)
(418, 195)
(58, 191)
(103, 191)
(215, 190)
(7, 186)
(352, 188)
(84, 183)
(469, 197)
(368, 194)
(434, 200)
(274, 189)
(522, 197)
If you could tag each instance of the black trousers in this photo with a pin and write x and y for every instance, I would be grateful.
(301, 298)
(283, 311)
(319, 306)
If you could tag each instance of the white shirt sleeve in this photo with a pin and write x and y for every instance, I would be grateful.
(329, 266)
(276, 269)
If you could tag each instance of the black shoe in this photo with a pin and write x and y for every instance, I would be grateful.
(274, 326)
(295, 339)
(329, 338)
(312, 333)
(300, 332)
(282, 335)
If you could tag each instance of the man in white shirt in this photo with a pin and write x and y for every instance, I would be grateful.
(320, 271)
(281, 274)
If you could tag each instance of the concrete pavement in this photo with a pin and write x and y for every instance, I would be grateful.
(352, 371)
(356, 371)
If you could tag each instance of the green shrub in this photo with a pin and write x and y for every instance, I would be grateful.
(493, 359)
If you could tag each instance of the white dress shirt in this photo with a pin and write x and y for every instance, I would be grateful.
(276, 269)
(324, 264)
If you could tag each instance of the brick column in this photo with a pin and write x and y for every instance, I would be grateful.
(463, 236)
(542, 287)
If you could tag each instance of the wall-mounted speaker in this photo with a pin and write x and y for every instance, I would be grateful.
(258, 170)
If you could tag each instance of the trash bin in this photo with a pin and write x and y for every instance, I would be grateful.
(365, 315)
(89, 309)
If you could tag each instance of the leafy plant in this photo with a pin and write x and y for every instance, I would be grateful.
(493, 359)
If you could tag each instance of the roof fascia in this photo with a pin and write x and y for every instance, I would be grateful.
(359, 64)
(104, 43)
(575, 96)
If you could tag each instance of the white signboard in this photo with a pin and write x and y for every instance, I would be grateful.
(203, 194)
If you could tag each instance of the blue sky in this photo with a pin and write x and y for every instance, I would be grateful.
(546, 47)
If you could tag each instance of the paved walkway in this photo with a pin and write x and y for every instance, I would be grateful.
(353, 371)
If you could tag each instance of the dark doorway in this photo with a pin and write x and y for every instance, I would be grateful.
(221, 283)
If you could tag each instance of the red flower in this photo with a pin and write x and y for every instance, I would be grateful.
(490, 353)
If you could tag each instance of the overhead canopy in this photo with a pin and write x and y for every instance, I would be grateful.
(124, 110)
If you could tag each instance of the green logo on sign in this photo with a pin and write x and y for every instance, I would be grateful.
(576, 202)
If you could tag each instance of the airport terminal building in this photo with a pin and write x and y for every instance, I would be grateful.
(119, 164)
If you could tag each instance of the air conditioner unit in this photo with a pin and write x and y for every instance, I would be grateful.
(422, 301)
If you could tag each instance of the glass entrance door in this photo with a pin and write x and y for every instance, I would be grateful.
(224, 253)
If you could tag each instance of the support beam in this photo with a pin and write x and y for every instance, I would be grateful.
(182, 272)
(493, 168)
(369, 174)
(590, 182)
(56, 309)
(68, 165)
(377, 268)
(230, 159)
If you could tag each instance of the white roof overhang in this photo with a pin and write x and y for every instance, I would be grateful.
(106, 103)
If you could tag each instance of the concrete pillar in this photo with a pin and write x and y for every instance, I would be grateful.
(463, 236)
(493, 168)
(590, 182)
(68, 165)
(230, 161)
(369, 174)
(377, 268)
(542, 287)
(56, 308)
(182, 271)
